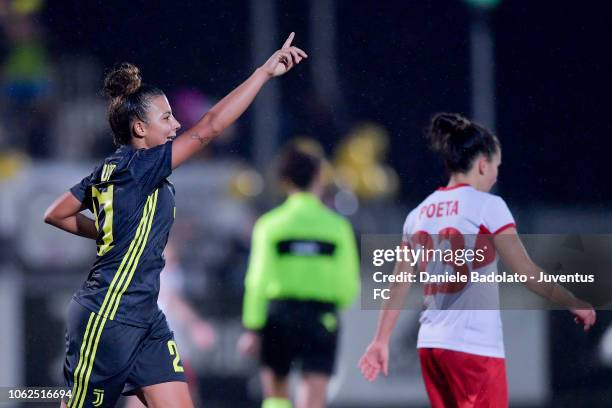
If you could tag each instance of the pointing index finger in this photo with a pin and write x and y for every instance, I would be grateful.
(288, 41)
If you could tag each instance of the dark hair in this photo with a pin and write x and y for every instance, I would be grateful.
(459, 141)
(129, 100)
(298, 167)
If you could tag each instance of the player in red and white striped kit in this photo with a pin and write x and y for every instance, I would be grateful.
(460, 340)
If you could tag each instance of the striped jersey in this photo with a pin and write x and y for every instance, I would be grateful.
(133, 205)
(460, 316)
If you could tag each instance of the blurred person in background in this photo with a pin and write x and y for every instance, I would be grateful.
(184, 321)
(460, 341)
(26, 81)
(302, 270)
(118, 341)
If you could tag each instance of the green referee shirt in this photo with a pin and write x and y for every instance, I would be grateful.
(301, 250)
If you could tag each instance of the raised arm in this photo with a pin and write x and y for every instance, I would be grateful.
(228, 109)
(64, 213)
(513, 253)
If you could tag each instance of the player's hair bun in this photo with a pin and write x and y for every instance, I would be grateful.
(122, 81)
(443, 127)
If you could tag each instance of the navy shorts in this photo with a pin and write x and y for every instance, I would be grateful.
(105, 359)
(302, 334)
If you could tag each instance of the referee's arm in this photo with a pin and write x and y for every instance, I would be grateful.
(255, 305)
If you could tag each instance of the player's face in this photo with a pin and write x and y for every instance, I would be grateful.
(161, 125)
(490, 171)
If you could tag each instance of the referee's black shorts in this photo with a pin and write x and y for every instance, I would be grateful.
(300, 334)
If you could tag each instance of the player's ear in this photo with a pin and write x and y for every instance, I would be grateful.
(139, 129)
(482, 165)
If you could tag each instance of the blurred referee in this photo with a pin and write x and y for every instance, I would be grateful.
(303, 268)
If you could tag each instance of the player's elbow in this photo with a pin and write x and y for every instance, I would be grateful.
(216, 129)
(50, 217)
(213, 125)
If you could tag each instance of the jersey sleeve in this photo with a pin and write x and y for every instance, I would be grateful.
(149, 167)
(261, 261)
(497, 216)
(82, 190)
(348, 271)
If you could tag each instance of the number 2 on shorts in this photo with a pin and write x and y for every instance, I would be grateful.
(174, 352)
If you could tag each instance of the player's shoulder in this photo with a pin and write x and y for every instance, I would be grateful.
(140, 160)
(268, 219)
(490, 198)
(113, 165)
(434, 196)
(332, 215)
(467, 195)
(97, 170)
(474, 196)
(151, 154)
(272, 221)
(119, 157)
(481, 196)
(481, 202)
(340, 222)
(283, 213)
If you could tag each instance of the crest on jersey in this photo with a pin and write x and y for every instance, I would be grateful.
(98, 397)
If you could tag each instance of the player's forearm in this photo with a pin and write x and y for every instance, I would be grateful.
(228, 109)
(77, 224)
(218, 118)
(392, 306)
(386, 323)
(513, 253)
(554, 292)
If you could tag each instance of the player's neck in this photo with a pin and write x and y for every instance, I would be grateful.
(142, 143)
(139, 143)
(293, 191)
(460, 178)
(316, 189)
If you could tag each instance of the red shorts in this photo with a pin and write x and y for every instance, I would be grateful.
(462, 380)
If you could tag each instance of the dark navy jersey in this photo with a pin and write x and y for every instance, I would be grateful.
(133, 205)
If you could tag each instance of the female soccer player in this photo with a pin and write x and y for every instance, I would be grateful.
(460, 340)
(117, 339)
(303, 269)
